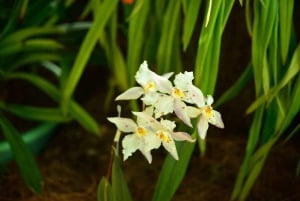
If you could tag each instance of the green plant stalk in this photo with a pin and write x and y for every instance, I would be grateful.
(276, 95)
(136, 37)
(105, 11)
(191, 17)
(173, 172)
(165, 53)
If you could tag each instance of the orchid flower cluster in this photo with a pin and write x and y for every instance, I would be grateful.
(160, 97)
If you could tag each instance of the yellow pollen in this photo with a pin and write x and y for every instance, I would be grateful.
(149, 86)
(208, 111)
(178, 92)
(141, 131)
(163, 136)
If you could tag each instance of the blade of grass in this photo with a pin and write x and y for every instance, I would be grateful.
(74, 109)
(136, 38)
(285, 23)
(190, 21)
(235, 89)
(120, 191)
(35, 113)
(166, 43)
(89, 42)
(23, 156)
(292, 71)
(31, 45)
(251, 145)
(104, 192)
(173, 172)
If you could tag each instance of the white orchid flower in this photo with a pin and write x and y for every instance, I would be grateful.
(207, 116)
(176, 98)
(164, 133)
(141, 138)
(149, 83)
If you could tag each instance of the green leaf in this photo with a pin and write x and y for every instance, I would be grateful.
(173, 172)
(190, 21)
(35, 113)
(292, 71)
(136, 37)
(298, 169)
(24, 34)
(235, 89)
(104, 192)
(253, 174)
(83, 118)
(35, 57)
(31, 45)
(250, 148)
(120, 191)
(165, 53)
(286, 8)
(23, 156)
(105, 11)
(248, 16)
(74, 109)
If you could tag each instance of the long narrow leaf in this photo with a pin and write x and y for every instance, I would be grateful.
(165, 52)
(120, 191)
(236, 87)
(23, 156)
(74, 109)
(36, 113)
(173, 172)
(104, 192)
(190, 21)
(85, 50)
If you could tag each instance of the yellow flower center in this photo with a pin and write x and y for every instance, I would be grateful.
(141, 131)
(178, 92)
(163, 136)
(149, 86)
(208, 111)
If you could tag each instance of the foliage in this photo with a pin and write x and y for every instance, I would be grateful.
(276, 64)
(31, 44)
(154, 33)
(160, 32)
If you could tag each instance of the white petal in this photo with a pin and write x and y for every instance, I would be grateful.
(162, 84)
(183, 80)
(150, 98)
(168, 75)
(148, 121)
(163, 106)
(171, 148)
(130, 144)
(125, 125)
(144, 75)
(196, 95)
(131, 93)
(216, 120)
(151, 142)
(182, 136)
(169, 125)
(147, 155)
(181, 111)
(193, 112)
(202, 127)
(209, 100)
